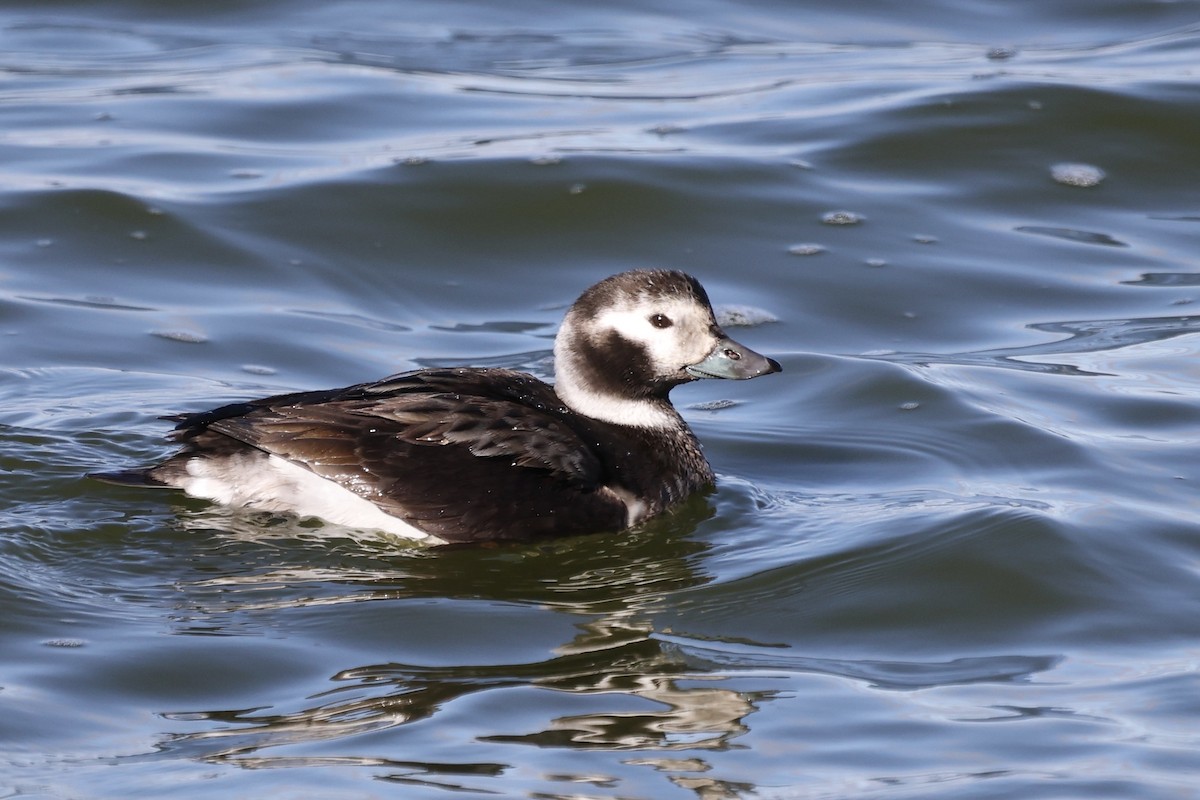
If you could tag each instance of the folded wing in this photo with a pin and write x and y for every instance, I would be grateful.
(461, 454)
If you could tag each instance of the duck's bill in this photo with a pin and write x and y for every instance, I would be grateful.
(733, 361)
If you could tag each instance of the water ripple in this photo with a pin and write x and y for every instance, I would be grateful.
(1082, 336)
(1072, 235)
(645, 86)
(902, 675)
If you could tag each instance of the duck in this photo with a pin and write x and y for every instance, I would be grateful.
(472, 455)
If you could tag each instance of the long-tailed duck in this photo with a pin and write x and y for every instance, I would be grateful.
(461, 455)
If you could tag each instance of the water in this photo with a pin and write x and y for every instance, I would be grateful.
(955, 545)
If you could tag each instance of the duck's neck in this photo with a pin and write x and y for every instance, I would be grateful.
(601, 381)
(654, 413)
(595, 393)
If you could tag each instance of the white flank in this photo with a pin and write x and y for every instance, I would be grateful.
(276, 484)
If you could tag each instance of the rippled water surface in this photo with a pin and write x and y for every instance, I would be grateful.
(955, 545)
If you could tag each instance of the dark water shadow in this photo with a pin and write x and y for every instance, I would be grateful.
(1168, 279)
(1072, 235)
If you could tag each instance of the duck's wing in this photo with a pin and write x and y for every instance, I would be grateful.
(492, 459)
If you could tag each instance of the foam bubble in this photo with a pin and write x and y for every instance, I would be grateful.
(1082, 175)
(841, 218)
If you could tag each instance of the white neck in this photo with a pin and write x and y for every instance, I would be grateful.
(607, 407)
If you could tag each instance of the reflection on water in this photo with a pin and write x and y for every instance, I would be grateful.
(618, 684)
(646, 697)
(652, 693)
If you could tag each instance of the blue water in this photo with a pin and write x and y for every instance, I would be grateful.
(954, 548)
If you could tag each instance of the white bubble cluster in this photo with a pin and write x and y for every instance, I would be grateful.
(1083, 175)
(841, 218)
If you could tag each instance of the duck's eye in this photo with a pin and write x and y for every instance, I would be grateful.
(660, 321)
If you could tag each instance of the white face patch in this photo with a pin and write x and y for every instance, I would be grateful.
(686, 340)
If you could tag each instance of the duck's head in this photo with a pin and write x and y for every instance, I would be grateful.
(630, 339)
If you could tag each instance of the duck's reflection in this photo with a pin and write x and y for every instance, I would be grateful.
(673, 708)
(636, 694)
(639, 701)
